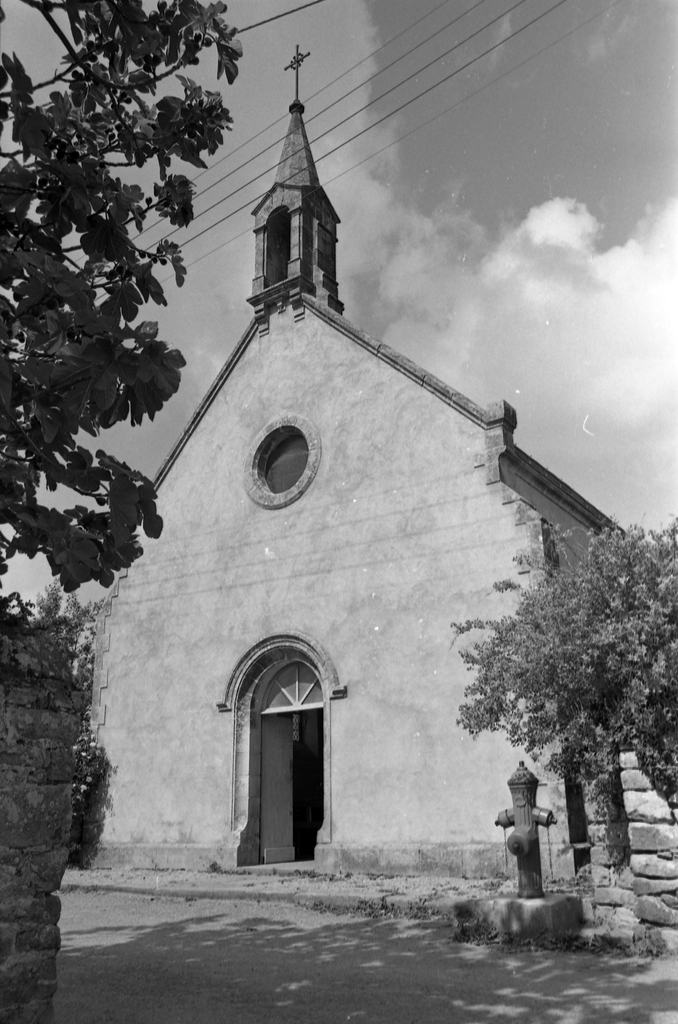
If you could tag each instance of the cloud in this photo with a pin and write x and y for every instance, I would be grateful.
(606, 35)
(543, 310)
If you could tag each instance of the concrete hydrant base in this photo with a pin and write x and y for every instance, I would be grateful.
(555, 914)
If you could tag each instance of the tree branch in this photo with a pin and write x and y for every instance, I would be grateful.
(89, 73)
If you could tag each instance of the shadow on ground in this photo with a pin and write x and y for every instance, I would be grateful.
(130, 958)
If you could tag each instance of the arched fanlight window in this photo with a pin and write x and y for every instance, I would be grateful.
(294, 688)
(277, 246)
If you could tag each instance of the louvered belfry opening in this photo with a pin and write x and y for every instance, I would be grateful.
(277, 246)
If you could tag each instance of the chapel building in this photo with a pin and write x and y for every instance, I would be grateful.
(276, 677)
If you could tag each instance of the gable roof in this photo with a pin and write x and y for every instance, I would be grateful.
(499, 414)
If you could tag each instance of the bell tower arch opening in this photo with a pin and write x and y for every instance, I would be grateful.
(295, 228)
(278, 227)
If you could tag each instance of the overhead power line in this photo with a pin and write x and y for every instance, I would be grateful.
(388, 42)
(350, 92)
(365, 106)
(419, 127)
(275, 17)
(277, 142)
(229, 154)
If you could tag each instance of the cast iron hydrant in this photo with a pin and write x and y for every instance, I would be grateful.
(524, 840)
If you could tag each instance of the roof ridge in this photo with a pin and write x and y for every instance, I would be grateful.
(549, 478)
(399, 362)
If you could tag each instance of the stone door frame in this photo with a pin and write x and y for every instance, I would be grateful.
(244, 696)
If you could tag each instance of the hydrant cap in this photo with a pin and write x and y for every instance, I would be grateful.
(522, 776)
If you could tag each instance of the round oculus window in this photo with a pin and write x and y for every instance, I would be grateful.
(282, 462)
(284, 465)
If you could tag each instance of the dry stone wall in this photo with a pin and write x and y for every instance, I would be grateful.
(39, 721)
(635, 862)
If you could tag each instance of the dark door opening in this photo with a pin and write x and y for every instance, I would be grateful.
(307, 781)
(292, 795)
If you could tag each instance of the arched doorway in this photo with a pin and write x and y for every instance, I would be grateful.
(281, 676)
(291, 765)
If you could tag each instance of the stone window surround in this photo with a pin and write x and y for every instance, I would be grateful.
(254, 481)
(245, 692)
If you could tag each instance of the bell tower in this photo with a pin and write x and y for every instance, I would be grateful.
(295, 230)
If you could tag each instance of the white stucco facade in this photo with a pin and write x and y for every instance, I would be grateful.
(413, 502)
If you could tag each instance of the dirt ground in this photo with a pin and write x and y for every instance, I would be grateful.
(300, 877)
(133, 958)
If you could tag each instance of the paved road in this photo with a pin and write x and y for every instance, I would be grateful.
(133, 959)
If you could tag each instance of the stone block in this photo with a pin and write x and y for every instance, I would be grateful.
(35, 816)
(623, 877)
(31, 756)
(633, 778)
(653, 867)
(647, 806)
(61, 765)
(644, 837)
(597, 833)
(42, 723)
(587, 909)
(670, 940)
(670, 901)
(556, 913)
(27, 980)
(624, 917)
(617, 920)
(613, 896)
(7, 937)
(628, 760)
(652, 909)
(47, 869)
(604, 914)
(653, 886)
(53, 908)
(37, 936)
(600, 875)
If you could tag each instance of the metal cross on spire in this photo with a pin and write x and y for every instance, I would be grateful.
(294, 64)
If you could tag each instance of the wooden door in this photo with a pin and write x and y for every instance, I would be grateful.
(276, 835)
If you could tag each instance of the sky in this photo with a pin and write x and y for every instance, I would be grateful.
(514, 230)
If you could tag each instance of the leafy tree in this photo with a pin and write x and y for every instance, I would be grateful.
(73, 280)
(587, 665)
(72, 627)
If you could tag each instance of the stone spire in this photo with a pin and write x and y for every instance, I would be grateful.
(296, 165)
(295, 228)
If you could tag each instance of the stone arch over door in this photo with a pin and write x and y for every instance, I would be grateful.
(244, 696)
